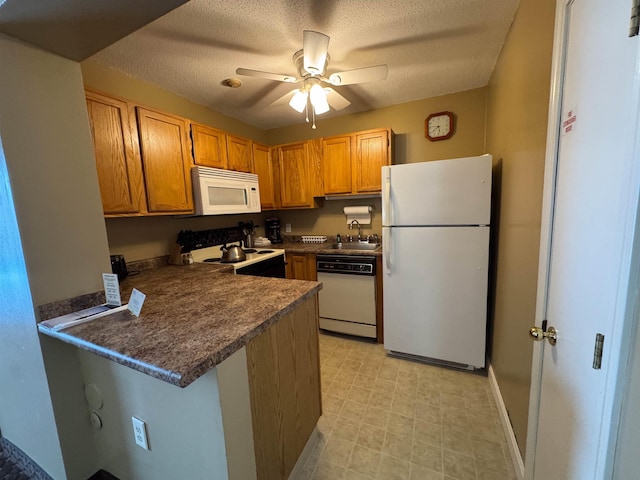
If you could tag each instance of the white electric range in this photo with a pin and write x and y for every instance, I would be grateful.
(262, 262)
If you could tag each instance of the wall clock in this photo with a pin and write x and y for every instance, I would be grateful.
(439, 126)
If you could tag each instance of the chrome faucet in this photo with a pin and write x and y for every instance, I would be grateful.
(351, 227)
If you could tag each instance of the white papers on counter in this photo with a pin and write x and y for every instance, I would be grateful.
(111, 289)
(360, 213)
(135, 302)
(81, 316)
(113, 305)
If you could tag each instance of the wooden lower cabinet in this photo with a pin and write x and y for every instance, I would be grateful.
(301, 266)
(284, 382)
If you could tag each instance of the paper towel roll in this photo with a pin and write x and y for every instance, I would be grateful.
(360, 213)
(359, 210)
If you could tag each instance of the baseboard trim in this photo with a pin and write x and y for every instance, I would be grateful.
(516, 458)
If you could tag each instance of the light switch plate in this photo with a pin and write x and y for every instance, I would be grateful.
(287, 228)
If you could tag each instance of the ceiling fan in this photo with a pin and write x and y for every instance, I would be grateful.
(316, 94)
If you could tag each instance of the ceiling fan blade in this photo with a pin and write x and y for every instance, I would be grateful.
(315, 46)
(337, 101)
(247, 72)
(359, 75)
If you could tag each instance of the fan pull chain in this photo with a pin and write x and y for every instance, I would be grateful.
(313, 115)
(306, 111)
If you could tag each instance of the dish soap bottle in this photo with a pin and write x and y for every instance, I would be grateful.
(339, 240)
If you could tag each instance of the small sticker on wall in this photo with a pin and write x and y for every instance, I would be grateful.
(569, 122)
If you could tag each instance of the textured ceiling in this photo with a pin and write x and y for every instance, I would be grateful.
(432, 47)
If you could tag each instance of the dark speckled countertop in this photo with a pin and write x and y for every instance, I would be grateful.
(193, 318)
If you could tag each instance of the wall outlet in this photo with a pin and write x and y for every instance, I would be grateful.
(287, 228)
(140, 432)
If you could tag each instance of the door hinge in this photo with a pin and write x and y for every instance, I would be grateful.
(634, 23)
(597, 351)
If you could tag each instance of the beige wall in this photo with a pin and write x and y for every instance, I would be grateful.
(184, 425)
(139, 238)
(516, 135)
(53, 183)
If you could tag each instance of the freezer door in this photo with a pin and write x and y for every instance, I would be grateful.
(435, 292)
(443, 192)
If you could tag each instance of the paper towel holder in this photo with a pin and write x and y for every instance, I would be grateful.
(360, 213)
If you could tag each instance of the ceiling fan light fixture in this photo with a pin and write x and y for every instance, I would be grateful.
(318, 99)
(299, 101)
(316, 45)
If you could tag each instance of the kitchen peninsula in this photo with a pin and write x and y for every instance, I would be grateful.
(229, 363)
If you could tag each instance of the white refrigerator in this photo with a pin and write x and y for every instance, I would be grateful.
(435, 240)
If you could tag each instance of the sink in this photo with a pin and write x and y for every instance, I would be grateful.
(355, 246)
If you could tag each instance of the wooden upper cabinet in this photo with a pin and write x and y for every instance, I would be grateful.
(115, 143)
(239, 154)
(373, 151)
(263, 167)
(209, 146)
(336, 161)
(293, 176)
(166, 161)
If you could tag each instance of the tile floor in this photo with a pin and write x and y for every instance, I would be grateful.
(388, 418)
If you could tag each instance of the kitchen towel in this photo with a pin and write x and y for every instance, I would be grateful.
(360, 213)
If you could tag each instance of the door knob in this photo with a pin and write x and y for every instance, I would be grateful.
(538, 334)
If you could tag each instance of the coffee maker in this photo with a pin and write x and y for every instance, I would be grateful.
(272, 229)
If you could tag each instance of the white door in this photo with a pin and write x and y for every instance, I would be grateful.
(443, 192)
(591, 189)
(435, 292)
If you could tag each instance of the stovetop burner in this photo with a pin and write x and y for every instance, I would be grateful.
(213, 256)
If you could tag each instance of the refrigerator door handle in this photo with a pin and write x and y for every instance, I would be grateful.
(386, 245)
(386, 212)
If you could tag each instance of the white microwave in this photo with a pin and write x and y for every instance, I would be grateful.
(219, 192)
